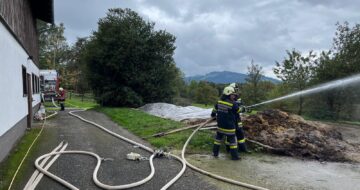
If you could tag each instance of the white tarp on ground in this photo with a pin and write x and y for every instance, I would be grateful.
(177, 113)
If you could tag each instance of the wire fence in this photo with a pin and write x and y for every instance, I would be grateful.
(89, 97)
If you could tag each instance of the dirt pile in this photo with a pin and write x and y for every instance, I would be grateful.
(298, 137)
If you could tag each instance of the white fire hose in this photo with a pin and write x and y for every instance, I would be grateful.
(97, 182)
(209, 173)
(134, 184)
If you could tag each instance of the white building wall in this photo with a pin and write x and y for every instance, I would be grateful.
(13, 106)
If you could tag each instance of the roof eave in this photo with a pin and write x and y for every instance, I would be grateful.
(43, 10)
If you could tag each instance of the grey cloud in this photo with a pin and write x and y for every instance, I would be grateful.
(216, 35)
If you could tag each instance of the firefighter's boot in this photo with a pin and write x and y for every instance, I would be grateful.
(234, 154)
(216, 150)
(242, 148)
(62, 106)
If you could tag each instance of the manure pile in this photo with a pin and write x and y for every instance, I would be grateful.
(299, 138)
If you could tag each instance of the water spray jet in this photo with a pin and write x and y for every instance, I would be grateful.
(322, 87)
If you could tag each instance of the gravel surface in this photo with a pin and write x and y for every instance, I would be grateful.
(77, 169)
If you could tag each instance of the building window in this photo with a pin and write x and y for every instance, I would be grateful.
(37, 84)
(42, 83)
(24, 81)
(33, 83)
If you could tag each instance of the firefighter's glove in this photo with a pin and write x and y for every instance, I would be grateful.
(242, 109)
(239, 101)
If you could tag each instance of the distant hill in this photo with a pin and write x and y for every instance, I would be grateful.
(225, 77)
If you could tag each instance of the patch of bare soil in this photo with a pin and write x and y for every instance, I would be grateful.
(300, 138)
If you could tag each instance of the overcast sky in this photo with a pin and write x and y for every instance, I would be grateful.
(224, 35)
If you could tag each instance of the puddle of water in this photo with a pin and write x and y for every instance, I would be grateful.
(276, 172)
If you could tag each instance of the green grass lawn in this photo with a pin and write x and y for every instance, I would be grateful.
(73, 102)
(10, 164)
(77, 102)
(145, 125)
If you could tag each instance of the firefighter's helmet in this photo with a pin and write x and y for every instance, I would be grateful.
(228, 90)
(235, 86)
(61, 89)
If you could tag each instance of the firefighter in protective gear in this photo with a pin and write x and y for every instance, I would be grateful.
(61, 98)
(225, 111)
(240, 135)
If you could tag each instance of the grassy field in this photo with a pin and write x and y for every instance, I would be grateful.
(145, 125)
(73, 102)
(9, 166)
(77, 102)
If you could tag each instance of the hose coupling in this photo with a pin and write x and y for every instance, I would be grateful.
(159, 153)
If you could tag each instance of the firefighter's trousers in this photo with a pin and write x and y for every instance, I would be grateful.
(231, 138)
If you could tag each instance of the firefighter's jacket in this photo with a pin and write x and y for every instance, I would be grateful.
(226, 113)
(61, 95)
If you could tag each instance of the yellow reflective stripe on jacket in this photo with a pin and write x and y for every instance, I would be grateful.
(241, 141)
(226, 130)
(217, 143)
(233, 147)
(238, 111)
(226, 103)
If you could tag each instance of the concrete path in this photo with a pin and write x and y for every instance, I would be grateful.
(77, 169)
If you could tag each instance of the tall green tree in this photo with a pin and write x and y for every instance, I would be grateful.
(76, 70)
(342, 61)
(296, 71)
(252, 91)
(130, 63)
(53, 46)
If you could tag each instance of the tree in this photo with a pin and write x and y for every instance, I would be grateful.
(296, 71)
(205, 93)
(76, 70)
(343, 60)
(346, 49)
(252, 90)
(53, 46)
(129, 62)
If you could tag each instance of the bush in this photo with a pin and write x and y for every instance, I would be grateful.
(181, 101)
(122, 96)
(129, 63)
